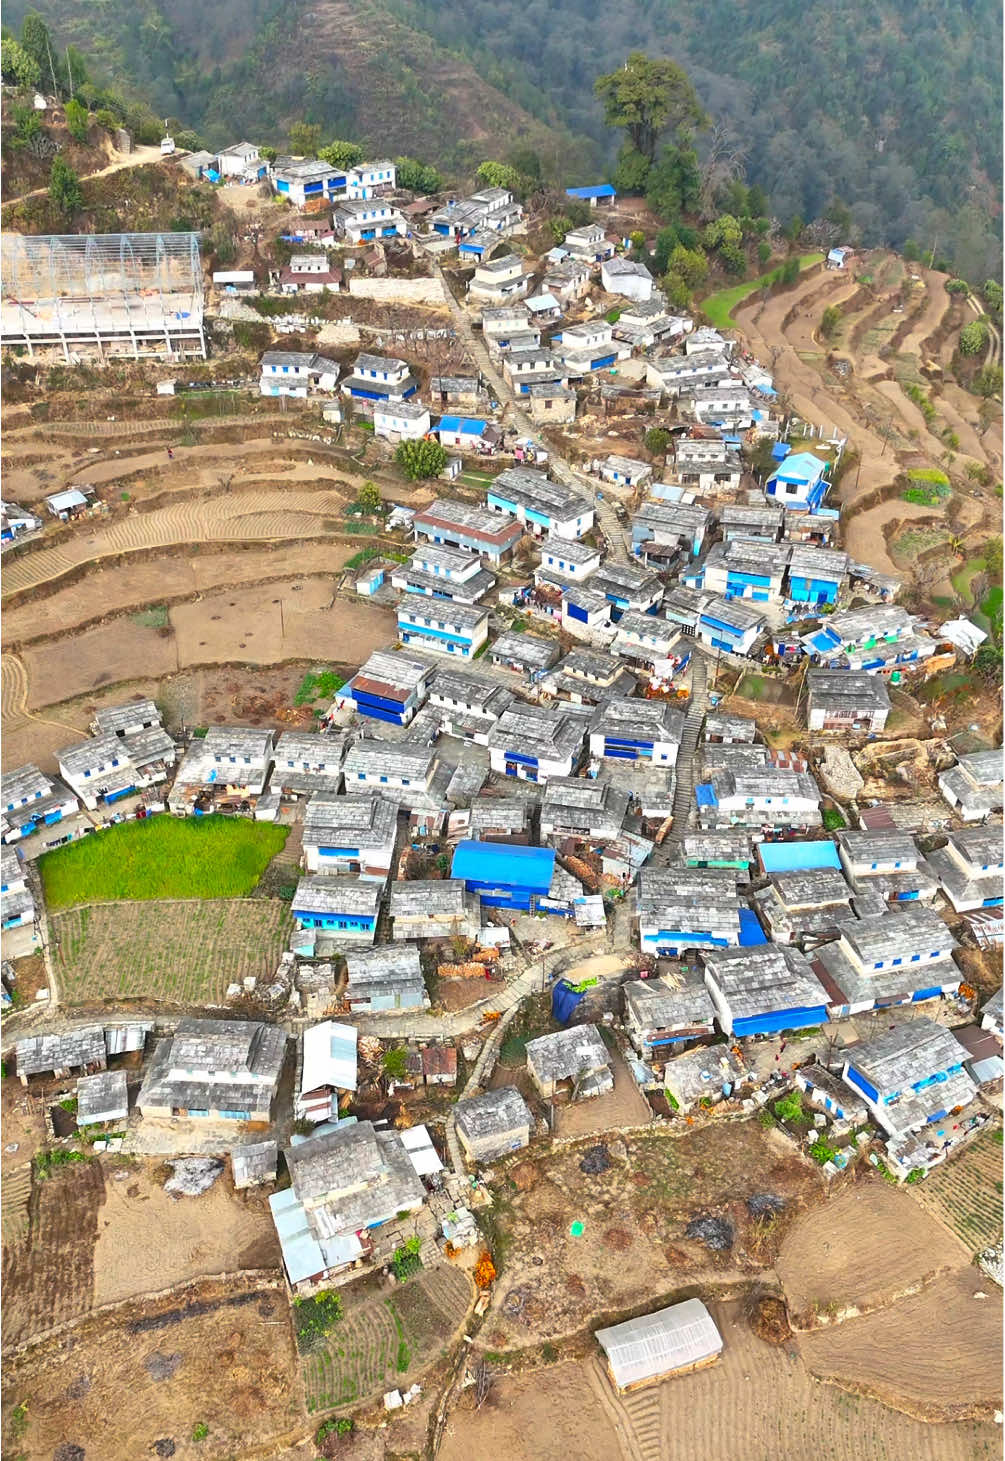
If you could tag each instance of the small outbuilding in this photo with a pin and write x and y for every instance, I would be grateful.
(492, 1124)
(255, 1163)
(573, 1060)
(102, 1098)
(649, 1349)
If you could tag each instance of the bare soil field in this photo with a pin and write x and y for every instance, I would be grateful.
(150, 1240)
(184, 952)
(624, 1106)
(965, 1194)
(936, 1353)
(759, 1402)
(291, 619)
(48, 1274)
(219, 1357)
(867, 1243)
(634, 1247)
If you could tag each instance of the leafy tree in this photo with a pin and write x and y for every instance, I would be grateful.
(527, 163)
(649, 97)
(666, 241)
(64, 188)
(757, 201)
(723, 230)
(657, 439)
(27, 123)
(733, 259)
(631, 172)
(993, 558)
(499, 175)
(795, 229)
(77, 120)
(992, 292)
(637, 239)
(674, 182)
(305, 138)
(829, 321)
(17, 66)
(690, 264)
(106, 118)
(35, 41)
(988, 381)
(676, 291)
(341, 154)
(417, 177)
(764, 251)
(910, 251)
(419, 459)
(560, 225)
(268, 154)
(988, 663)
(369, 499)
(973, 338)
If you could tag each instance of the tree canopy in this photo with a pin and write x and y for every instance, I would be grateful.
(648, 98)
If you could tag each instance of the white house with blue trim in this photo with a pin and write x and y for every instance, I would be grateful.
(350, 834)
(444, 573)
(970, 868)
(799, 481)
(901, 957)
(308, 180)
(670, 524)
(569, 558)
(446, 627)
(763, 990)
(683, 908)
(389, 769)
(645, 638)
(589, 244)
(815, 575)
(587, 347)
(490, 212)
(887, 861)
(740, 570)
(367, 179)
(496, 281)
(627, 586)
(761, 797)
(391, 686)
(32, 800)
(346, 908)
(467, 433)
(636, 730)
(18, 904)
(585, 614)
(363, 220)
(401, 420)
(878, 639)
(377, 378)
(912, 1079)
(545, 508)
(534, 742)
(729, 624)
(297, 372)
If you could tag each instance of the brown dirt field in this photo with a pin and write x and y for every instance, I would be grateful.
(937, 303)
(150, 1240)
(23, 1122)
(624, 1106)
(965, 1194)
(936, 1353)
(758, 1402)
(867, 1243)
(162, 580)
(864, 536)
(48, 1276)
(551, 1283)
(231, 1369)
(282, 621)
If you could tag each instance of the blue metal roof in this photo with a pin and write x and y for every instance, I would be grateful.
(466, 424)
(503, 864)
(780, 451)
(751, 932)
(800, 467)
(598, 190)
(824, 641)
(705, 796)
(791, 857)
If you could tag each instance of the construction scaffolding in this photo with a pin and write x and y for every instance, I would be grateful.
(133, 294)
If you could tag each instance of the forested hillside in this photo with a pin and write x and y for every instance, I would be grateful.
(891, 109)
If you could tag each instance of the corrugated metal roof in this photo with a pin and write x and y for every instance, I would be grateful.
(790, 857)
(643, 1348)
(505, 864)
(329, 1057)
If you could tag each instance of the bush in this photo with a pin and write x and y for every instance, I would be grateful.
(314, 1318)
(77, 119)
(395, 1062)
(790, 1107)
(973, 337)
(341, 1425)
(45, 1163)
(420, 459)
(833, 820)
(821, 1151)
(406, 1261)
(657, 439)
(829, 321)
(369, 500)
(200, 1431)
(64, 188)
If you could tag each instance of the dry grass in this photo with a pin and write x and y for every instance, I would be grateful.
(966, 1193)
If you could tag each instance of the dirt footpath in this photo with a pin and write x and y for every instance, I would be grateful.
(549, 1416)
(149, 1239)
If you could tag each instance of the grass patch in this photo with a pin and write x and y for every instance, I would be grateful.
(963, 578)
(751, 687)
(718, 308)
(363, 556)
(317, 685)
(833, 819)
(162, 857)
(928, 474)
(155, 617)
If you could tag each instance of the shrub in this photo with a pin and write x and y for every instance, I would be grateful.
(395, 1062)
(406, 1261)
(916, 1174)
(77, 119)
(833, 819)
(790, 1107)
(973, 337)
(821, 1151)
(200, 1431)
(657, 439)
(369, 500)
(45, 1163)
(338, 1425)
(829, 322)
(313, 1318)
(420, 459)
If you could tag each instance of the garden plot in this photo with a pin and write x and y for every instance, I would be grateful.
(965, 1193)
(384, 1342)
(184, 952)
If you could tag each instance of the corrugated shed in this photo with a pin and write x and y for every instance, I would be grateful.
(504, 864)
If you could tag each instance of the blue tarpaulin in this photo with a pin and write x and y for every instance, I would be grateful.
(751, 932)
(563, 1001)
(791, 857)
(780, 451)
(705, 796)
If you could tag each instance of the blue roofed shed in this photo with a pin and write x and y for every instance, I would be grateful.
(506, 875)
(592, 193)
(797, 857)
(751, 932)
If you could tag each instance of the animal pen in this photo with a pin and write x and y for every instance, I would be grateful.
(132, 294)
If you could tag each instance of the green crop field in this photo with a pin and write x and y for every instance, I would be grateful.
(162, 857)
(719, 307)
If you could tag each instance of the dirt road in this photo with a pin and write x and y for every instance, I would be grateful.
(140, 158)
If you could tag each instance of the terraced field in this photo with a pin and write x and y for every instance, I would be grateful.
(385, 1343)
(184, 952)
(16, 1194)
(966, 1194)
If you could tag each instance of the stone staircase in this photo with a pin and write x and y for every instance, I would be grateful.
(683, 798)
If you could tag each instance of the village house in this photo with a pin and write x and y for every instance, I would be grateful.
(724, 728)
(228, 767)
(804, 908)
(468, 434)
(567, 280)
(637, 730)
(670, 373)
(214, 1070)
(345, 908)
(723, 406)
(469, 704)
(568, 559)
(448, 628)
(81, 1049)
(297, 372)
(504, 874)
(360, 221)
(912, 1080)
(739, 570)
(254, 1163)
(589, 244)
(700, 341)
(799, 481)
(346, 1183)
(526, 654)
(815, 575)
(845, 700)
(575, 809)
(496, 281)
(492, 1124)
(389, 686)
(743, 522)
(500, 819)
(307, 762)
(466, 392)
(376, 379)
(644, 639)
(390, 768)
(683, 908)
(645, 324)
(587, 347)
(526, 364)
(308, 274)
(973, 787)
(662, 1017)
(825, 1091)
(102, 1098)
(573, 1061)
(992, 1015)
(719, 850)
(732, 625)
(766, 797)
(627, 278)
(126, 720)
(717, 477)
(763, 990)
(241, 160)
(882, 959)
(549, 402)
(543, 307)
(970, 868)
(492, 212)
(444, 573)
(628, 586)
(401, 420)
(533, 742)
(545, 508)
(104, 770)
(625, 472)
(476, 529)
(385, 978)
(673, 524)
(32, 800)
(354, 835)
(501, 324)
(590, 677)
(884, 637)
(16, 522)
(432, 908)
(18, 910)
(886, 862)
(651, 1348)
(327, 1067)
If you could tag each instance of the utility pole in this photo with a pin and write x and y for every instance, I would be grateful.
(69, 71)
